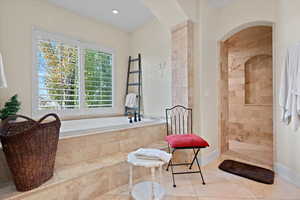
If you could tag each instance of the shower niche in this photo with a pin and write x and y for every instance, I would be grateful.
(258, 81)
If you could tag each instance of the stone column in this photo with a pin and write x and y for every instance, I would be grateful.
(182, 64)
(223, 98)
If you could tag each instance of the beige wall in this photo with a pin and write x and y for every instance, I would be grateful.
(217, 24)
(288, 141)
(205, 86)
(190, 8)
(17, 17)
(153, 41)
(241, 12)
(168, 12)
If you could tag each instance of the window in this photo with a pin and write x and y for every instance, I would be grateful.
(71, 76)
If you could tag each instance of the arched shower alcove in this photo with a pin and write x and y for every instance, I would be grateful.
(246, 93)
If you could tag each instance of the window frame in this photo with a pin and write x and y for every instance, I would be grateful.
(83, 110)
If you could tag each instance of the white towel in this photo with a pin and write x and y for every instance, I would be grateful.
(3, 83)
(131, 100)
(289, 98)
(152, 154)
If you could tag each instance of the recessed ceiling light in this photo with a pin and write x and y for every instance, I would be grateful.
(115, 11)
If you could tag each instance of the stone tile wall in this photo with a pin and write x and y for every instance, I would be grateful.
(250, 85)
(258, 80)
(182, 64)
(223, 104)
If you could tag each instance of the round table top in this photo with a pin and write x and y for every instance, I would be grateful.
(132, 159)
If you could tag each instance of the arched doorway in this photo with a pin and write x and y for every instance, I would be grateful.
(246, 94)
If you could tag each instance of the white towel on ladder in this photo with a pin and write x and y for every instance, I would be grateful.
(3, 83)
(131, 100)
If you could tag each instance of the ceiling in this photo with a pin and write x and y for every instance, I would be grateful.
(132, 13)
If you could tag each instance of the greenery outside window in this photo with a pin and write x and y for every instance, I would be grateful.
(71, 77)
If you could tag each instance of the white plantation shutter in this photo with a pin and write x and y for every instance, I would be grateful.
(98, 78)
(58, 75)
(71, 75)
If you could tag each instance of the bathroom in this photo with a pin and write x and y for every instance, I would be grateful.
(221, 58)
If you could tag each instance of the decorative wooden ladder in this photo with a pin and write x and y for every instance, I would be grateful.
(137, 84)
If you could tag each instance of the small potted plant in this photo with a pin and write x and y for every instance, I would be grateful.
(10, 108)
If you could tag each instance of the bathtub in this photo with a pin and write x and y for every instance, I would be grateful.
(74, 128)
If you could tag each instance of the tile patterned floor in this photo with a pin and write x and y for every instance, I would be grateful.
(220, 186)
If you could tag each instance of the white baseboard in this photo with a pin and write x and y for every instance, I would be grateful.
(287, 174)
(208, 158)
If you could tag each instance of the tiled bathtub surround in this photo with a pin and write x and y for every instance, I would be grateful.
(89, 147)
(89, 165)
(182, 64)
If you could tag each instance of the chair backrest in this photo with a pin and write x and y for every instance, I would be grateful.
(179, 120)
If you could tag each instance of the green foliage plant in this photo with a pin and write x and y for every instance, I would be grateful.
(10, 108)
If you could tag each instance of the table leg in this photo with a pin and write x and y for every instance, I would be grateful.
(130, 178)
(160, 174)
(153, 180)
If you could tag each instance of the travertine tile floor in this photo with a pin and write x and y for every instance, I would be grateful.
(220, 186)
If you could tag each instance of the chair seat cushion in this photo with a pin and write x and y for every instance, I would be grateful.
(186, 140)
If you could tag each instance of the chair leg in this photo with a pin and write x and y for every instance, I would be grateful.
(171, 164)
(174, 185)
(200, 169)
(170, 160)
(195, 156)
(168, 165)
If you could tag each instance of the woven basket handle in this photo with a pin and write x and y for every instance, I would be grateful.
(13, 117)
(49, 115)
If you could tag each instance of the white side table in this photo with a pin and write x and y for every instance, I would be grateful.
(148, 190)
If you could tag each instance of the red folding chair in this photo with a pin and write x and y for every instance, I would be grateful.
(180, 136)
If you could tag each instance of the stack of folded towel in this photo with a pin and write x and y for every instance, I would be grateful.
(131, 100)
(152, 154)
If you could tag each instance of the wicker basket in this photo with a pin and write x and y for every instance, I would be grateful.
(30, 149)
